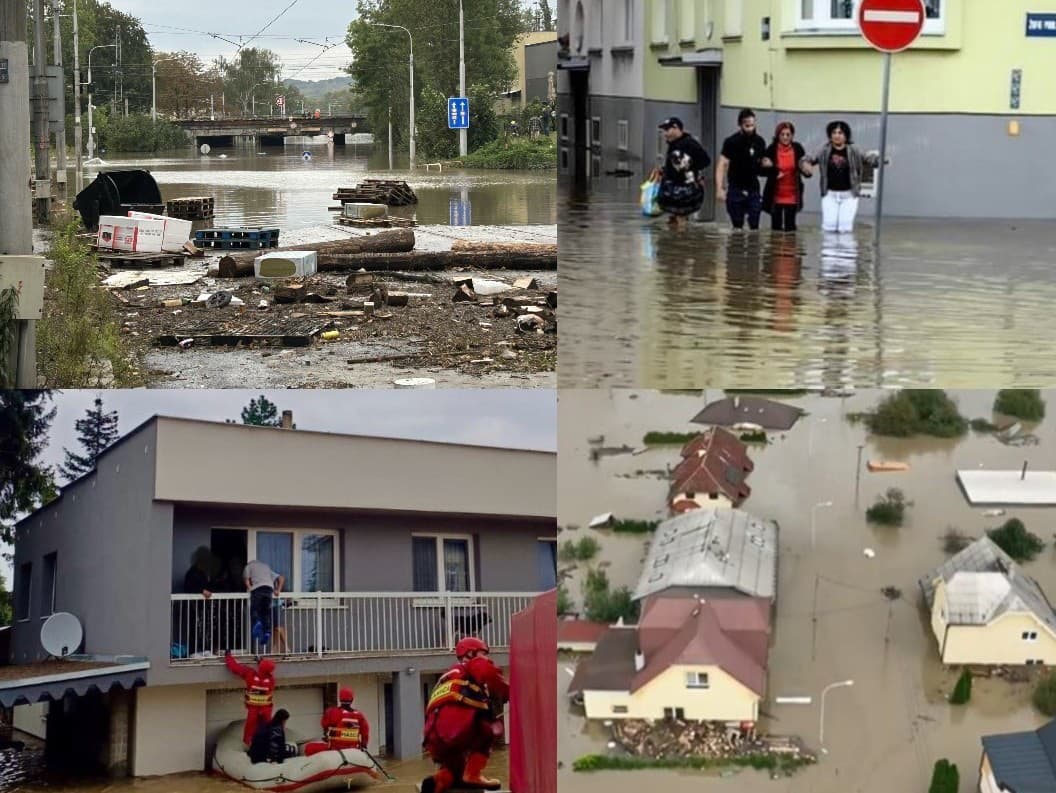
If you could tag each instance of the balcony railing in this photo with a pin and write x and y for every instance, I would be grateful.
(314, 625)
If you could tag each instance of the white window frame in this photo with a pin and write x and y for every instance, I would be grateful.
(54, 584)
(441, 583)
(595, 26)
(822, 21)
(296, 583)
(623, 135)
(627, 34)
(1029, 636)
(697, 680)
(595, 126)
(660, 22)
(687, 21)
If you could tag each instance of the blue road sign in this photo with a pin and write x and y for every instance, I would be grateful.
(1041, 25)
(460, 213)
(457, 112)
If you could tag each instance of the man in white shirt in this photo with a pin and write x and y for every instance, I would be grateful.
(263, 584)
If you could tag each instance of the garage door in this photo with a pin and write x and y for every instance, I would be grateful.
(305, 704)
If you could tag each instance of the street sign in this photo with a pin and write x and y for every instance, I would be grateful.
(1041, 25)
(280, 101)
(460, 213)
(457, 112)
(3, 70)
(891, 25)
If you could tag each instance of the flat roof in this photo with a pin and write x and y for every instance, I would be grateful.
(1036, 488)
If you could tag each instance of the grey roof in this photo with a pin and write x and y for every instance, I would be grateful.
(712, 548)
(736, 409)
(1024, 761)
(611, 666)
(124, 672)
(983, 582)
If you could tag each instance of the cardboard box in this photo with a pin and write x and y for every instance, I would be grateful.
(176, 232)
(285, 264)
(364, 211)
(134, 235)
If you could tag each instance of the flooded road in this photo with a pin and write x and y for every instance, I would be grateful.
(279, 188)
(886, 732)
(947, 303)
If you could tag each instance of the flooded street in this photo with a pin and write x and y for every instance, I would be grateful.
(945, 302)
(832, 623)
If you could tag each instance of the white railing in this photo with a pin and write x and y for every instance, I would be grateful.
(313, 625)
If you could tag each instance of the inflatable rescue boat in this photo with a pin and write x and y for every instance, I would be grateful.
(336, 769)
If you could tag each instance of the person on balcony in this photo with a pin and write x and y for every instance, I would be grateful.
(464, 718)
(269, 741)
(344, 727)
(263, 584)
(200, 579)
(260, 693)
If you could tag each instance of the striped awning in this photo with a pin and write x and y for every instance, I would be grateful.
(74, 674)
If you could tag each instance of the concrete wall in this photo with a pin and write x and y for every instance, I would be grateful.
(111, 540)
(169, 730)
(205, 462)
(1000, 642)
(725, 700)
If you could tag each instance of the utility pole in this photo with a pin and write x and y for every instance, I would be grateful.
(78, 178)
(463, 134)
(390, 137)
(60, 133)
(42, 146)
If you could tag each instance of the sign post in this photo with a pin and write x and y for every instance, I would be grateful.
(889, 26)
(457, 112)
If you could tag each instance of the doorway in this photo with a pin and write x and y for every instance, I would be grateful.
(708, 103)
(579, 81)
(229, 547)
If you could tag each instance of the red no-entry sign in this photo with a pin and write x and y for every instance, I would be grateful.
(891, 25)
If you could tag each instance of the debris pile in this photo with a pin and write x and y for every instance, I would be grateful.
(391, 192)
(711, 739)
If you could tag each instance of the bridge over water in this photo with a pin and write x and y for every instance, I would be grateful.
(273, 131)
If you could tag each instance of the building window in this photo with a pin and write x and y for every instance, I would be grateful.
(443, 563)
(578, 29)
(564, 126)
(47, 589)
(675, 713)
(25, 582)
(595, 131)
(546, 556)
(842, 15)
(563, 160)
(628, 21)
(597, 26)
(1029, 636)
(623, 135)
(660, 17)
(697, 680)
(306, 558)
(619, 708)
(595, 166)
(687, 20)
(734, 18)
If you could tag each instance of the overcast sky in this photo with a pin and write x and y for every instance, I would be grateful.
(172, 27)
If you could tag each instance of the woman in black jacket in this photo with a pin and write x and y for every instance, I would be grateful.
(269, 743)
(783, 166)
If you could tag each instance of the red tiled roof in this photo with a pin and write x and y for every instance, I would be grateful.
(580, 631)
(713, 462)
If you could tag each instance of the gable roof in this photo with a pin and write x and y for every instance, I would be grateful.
(982, 583)
(1024, 761)
(766, 413)
(611, 666)
(713, 462)
(712, 548)
(580, 631)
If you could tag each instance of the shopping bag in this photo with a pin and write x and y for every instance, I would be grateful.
(649, 193)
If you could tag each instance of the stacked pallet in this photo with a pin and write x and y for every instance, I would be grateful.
(237, 239)
(190, 208)
(382, 223)
(391, 192)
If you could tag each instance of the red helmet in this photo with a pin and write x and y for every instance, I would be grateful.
(345, 695)
(266, 666)
(467, 645)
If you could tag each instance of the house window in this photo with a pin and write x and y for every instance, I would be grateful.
(1029, 636)
(619, 708)
(687, 20)
(734, 18)
(443, 563)
(842, 15)
(660, 21)
(697, 680)
(47, 589)
(564, 126)
(546, 555)
(25, 581)
(595, 166)
(628, 21)
(675, 713)
(623, 135)
(306, 558)
(578, 31)
(595, 131)
(563, 161)
(596, 23)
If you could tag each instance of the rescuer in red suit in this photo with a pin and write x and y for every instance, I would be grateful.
(260, 691)
(344, 727)
(463, 719)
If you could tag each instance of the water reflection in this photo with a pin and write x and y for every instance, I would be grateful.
(944, 302)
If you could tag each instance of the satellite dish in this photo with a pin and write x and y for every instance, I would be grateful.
(61, 634)
(204, 148)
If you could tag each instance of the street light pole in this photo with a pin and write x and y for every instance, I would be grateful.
(91, 129)
(463, 134)
(78, 177)
(154, 88)
(60, 133)
(410, 62)
(814, 517)
(821, 726)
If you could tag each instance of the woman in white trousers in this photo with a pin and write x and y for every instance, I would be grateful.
(839, 164)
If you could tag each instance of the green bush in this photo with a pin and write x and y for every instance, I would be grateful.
(598, 762)
(889, 509)
(758, 437)
(962, 692)
(139, 133)
(1045, 695)
(1022, 403)
(583, 551)
(604, 605)
(917, 412)
(1014, 539)
(564, 602)
(656, 438)
(945, 778)
(522, 154)
(635, 526)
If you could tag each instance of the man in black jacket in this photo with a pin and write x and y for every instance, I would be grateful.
(740, 160)
(269, 742)
(681, 191)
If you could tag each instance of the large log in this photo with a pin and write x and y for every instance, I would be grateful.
(240, 265)
(470, 246)
(437, 260)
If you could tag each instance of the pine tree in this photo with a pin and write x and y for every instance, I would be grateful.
(962, 692)
(261, 412)
(24, 483)
(96, 431)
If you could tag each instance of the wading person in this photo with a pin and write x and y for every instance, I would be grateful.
(263, 584)
(783, 165)
(269, 741)
(260, 692)
(343, 726)
(681, 191)
(737, 174)
(464, 718)
(840, 166)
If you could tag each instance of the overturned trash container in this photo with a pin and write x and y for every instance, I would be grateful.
(118, 193)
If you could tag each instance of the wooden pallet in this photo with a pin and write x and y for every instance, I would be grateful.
(230, 327)
(125, 259)
(378, 191)
(381, 223)
(194, 208)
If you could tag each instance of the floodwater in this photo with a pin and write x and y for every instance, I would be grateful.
(278, 188)
(947, 303)
(886, 732)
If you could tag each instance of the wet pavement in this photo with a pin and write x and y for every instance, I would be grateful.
(886, 732)
(947, 303)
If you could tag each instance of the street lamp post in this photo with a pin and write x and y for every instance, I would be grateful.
(91, 129)
(154, 88)
(410, 38)
(463, 133)
(814, 517)
(821, 726)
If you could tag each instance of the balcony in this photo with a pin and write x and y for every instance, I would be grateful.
(310, 626)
